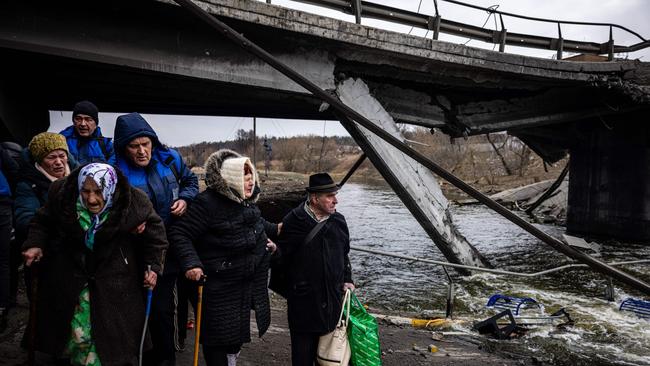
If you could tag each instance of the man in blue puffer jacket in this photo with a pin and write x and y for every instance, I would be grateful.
(161, 173)
(85, 141)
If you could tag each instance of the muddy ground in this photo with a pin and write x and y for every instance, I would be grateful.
(401, 345)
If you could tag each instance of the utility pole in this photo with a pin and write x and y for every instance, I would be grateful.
(267, 156)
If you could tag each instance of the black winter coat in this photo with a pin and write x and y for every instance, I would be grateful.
(316, 271)
(114, 270)
(227, 239)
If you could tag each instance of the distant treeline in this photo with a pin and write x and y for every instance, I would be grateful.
(297, 154)
(484, 157)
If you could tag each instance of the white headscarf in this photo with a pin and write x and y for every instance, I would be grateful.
(104, 176)
(232, 172)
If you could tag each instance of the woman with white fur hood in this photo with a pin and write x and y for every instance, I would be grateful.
(223, 236)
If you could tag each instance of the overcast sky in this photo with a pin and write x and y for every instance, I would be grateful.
(633, 14)
(185, 130)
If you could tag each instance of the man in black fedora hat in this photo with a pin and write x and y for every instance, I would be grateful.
(314, 245)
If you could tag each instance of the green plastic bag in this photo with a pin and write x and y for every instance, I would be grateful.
(363, 335)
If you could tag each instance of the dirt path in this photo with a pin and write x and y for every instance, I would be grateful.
(400, 345)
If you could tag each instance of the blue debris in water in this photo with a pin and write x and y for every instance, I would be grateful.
(514, 304)
(639, 307)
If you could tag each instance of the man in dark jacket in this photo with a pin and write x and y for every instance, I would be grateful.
(8, 174)
(85, 141)
(161, 173)
(317, 265)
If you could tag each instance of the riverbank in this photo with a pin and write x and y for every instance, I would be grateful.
(278, 181)
(400, 345)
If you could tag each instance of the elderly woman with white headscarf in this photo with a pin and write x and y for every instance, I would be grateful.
(224, 236)
(93, 252)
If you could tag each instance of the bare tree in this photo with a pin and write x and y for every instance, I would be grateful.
(497, 150)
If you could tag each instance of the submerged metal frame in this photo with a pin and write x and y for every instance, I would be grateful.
(343, 109)
(449, 312)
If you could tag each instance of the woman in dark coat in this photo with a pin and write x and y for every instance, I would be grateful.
(93, 257)
(40, 165)
(43, 161)
(224, 236)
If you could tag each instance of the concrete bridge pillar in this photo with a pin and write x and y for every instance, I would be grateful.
(609, 185)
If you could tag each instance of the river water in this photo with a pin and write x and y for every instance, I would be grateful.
(601, 335)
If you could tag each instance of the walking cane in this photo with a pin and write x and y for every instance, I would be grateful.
(198, 320)
(31, 350)
(146, 317)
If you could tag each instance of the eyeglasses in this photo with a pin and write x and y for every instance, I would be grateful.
(87, 119)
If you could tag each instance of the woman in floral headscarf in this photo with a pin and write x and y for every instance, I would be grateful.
(93, 251)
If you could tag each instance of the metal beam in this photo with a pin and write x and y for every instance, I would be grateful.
(549, 191)
(343, 109)
(354, 168)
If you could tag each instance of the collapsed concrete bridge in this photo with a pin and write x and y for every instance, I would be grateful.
(152, 57)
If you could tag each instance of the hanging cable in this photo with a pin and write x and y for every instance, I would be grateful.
(419, 5)
(490, 10)
(279, 127)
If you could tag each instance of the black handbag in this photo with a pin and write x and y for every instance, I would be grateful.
(279, 281)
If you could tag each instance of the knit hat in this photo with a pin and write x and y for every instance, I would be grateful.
(87, 108)
(46, 142)
(232, 171)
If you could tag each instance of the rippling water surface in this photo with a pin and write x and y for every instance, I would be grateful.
(601, 335)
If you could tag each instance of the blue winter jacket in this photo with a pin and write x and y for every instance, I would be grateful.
(95, 149)
(5, 190)
(166, 178)
(8, 172)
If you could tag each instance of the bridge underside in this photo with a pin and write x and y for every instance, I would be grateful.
(152, 57)
(37, 83)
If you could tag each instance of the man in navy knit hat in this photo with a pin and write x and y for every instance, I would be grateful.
(84, 137)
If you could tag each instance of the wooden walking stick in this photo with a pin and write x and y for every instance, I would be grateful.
(31, 346)
(197, 335)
